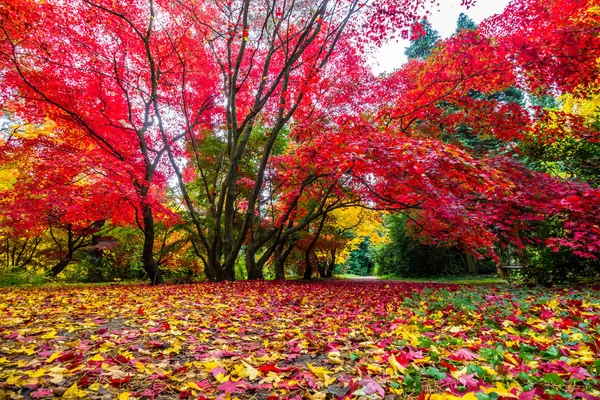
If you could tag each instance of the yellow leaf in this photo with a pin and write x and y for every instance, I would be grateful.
(250, 372)
(458, 373)
(74, 392)
(97, 357)
(396, 365)
(13, 380)
(106, 347)
(511, 359)
(500, 390)
(271, 377)
(124, 396)
(49, 335)
(322, 373)
(140, 367)
(210, 365)
(54, 356)
(39, 373)
(127, 355)
(56, 379)
(576, 337)
(396, 391)
(334, 357)
(328, 381)
(441, 396)
(193, 385)
(374, 368)
(422, 360)
(94, 386)
(175, 349)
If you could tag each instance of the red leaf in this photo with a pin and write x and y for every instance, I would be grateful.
(463, 355)
(119, 382)
(231, 387)
(269, 368)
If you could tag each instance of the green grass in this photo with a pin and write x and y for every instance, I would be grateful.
(457, 280)
(31, 278)
(22, 278)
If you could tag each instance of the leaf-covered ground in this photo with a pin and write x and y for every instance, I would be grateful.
(300, 340)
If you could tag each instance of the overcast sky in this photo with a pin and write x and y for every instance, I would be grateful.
(391, 56)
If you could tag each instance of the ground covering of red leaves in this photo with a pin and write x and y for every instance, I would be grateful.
(336, 339)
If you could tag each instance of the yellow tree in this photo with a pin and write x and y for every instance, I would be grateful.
(347, 228)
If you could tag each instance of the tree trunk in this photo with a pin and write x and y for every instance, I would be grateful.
(321, 268)
(311, 246)
(279, 265)
(64, 261)
(472, 266)
(279, 262)
(61, 265)
(228, 272)
(282, 254)
(95, 272)
(253, 269)
(308, 269)
(331, 266)
(148, 262)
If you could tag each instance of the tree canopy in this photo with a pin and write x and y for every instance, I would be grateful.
(244, 126)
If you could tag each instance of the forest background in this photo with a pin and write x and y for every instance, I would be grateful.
(249, 140)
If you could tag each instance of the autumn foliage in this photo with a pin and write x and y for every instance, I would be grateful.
(342, 339)
(210, 139)
(249, 124)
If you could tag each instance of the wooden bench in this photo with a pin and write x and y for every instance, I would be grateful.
(504, 270)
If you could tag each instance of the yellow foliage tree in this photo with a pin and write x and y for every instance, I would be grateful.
(347, 229)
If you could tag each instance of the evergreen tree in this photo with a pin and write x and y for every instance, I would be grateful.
(420, 48)
(465, 23)
(360, 261)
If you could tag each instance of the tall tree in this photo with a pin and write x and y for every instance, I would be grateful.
(270, 118)
(424, 39)
(273, 59)
(464, 22)
(121, 73)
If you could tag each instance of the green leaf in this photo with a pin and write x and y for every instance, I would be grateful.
(523, 377)
(554, 379)
(551, 354)
(434, 373)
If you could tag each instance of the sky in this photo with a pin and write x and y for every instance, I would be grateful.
(391, 55)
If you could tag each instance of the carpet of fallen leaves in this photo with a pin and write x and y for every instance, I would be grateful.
(269, 340)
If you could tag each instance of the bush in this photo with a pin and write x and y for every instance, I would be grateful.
(360, 261)
(546, 267)
(406, 256)
(22, 276)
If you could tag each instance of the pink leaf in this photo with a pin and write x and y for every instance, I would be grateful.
(231, 387)
(530, 395)
(463, 355)
(469, 381)
(41, 392)
(371, 387)
(578, 373)
(218, 370)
